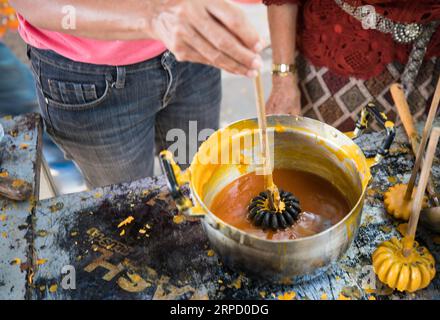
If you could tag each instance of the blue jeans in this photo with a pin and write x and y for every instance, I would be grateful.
(110, 120)
(17, 86)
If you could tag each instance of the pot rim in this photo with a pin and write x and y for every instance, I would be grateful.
(307, 238)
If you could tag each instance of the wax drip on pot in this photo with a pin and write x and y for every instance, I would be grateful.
(272, 209)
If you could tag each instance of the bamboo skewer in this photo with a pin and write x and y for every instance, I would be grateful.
(405, 115)
(418, 200)
(413, 136)
(274, 197)
(423, 142)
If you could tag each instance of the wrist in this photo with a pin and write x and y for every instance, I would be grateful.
(288, 80)
(283, 69)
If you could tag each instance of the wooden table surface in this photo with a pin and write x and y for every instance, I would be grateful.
(76, 242)
(21, 155)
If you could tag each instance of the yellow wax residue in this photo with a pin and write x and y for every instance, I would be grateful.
(236, 283)
(210, 253)
(373, 192)
(290, 295)
(389, 124)
(53, 288)
(392, 179)
(385, 229)
(280, 208)
(371, 162)
(4, 174)
(353, 153)
(122, 232)
(243, 164)
(371, 298)
(324, 296)
(280, 128)
(178, 219)
(17, 183)
(3, 217)
(134, 277)
(97, 195)
(350, 134)
(41, 261)
(342, 297)
(4, 235)
(126, 222)
(402, 228)
(16, 261)
(24, 146)
(369, 290)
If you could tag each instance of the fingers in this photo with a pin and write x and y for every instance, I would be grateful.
(227, 45)
(236, 22)
(214, 56)
(222, 39)
(188, 53)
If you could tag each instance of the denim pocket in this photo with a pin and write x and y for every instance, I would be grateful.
(74, 96)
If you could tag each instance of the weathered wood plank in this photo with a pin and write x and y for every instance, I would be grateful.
(158, 257)
(20, 159)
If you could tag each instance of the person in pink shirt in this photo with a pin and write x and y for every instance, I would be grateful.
(117, 79)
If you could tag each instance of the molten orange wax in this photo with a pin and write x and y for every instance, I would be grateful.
(323, 204)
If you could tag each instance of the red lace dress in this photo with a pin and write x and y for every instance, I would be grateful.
(330, 37)
(348, 65)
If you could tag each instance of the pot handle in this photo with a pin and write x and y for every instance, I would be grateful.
(175, 180)
(367, 112)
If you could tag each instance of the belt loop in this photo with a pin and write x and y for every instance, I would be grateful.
(164, 58)
(120, 78)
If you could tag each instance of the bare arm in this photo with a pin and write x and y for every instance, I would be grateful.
(282, 24)
(98, 19)
(206, 31)
(285, 97)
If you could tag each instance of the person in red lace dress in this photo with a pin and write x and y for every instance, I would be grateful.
(341, 65)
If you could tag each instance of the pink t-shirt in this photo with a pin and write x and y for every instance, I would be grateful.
(113, 53)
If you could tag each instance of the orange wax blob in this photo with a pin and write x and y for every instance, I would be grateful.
(323, 204)
(396, 204)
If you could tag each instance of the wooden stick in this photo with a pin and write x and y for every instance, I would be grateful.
(413, 136)
(274, 197)
(405, 115)
(418, 200)
(422, 146)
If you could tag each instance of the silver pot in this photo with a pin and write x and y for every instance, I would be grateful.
(300, 143)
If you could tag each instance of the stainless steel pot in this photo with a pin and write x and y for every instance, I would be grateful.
(299, 143)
